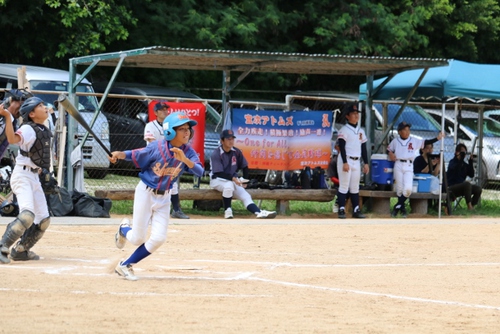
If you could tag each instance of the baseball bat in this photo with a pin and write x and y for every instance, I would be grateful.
(70, 108)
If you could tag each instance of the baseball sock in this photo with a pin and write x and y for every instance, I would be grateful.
(341, 200)
(401, 202)
(175, 202)
(140, 253)
(355, 202)
(253, 208)
(227, 202)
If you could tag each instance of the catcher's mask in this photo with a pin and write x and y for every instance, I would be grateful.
(9, 209)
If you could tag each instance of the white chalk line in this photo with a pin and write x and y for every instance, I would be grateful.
(287, 264)
(146, 294)
(377, 294)
(250, 276)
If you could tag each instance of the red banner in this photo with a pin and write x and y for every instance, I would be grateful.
(195, 111)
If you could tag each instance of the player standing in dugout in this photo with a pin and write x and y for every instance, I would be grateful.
(352, 145)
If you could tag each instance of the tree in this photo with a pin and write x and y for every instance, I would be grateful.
(48, 32)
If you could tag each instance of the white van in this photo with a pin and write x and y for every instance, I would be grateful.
(95, 160)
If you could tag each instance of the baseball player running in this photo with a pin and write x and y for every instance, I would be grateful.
(352, 145)
(403, 150)
(161, 164)
(154, 131)
(33, 139)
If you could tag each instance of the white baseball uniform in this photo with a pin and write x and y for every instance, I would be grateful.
(405, 151)
(25, 182)
(354, 137)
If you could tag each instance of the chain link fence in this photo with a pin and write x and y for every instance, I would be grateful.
(121, 126)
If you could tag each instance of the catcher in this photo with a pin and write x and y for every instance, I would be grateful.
(33, 219)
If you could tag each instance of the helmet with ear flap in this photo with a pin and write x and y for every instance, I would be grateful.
(174, 120)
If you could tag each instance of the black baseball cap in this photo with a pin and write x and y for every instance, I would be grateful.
(403, 125)
(161, 105)
(351, 108)
(227, 134)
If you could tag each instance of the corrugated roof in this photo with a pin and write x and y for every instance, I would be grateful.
(255, 61)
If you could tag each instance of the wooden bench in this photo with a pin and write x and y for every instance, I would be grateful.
(282, 196)
(380, 201)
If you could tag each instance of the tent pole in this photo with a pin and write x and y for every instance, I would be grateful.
(441, 158)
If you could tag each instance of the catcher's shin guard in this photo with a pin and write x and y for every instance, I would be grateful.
(13, 231)
(32, 235)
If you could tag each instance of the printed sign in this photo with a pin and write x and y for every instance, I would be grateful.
(195, 111)
(283, 140)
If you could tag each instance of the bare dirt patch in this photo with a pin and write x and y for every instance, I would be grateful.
(282, 276)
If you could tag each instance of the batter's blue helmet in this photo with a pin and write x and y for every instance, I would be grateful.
(174, 120)
(29, 105)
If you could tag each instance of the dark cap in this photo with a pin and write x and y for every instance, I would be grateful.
(161, 105)
(227, 134)
(403, 125)
(351, 108)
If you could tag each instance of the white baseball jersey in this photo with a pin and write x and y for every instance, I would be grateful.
(25, 182)
(353, 137)
(153, 130)
(406, 149)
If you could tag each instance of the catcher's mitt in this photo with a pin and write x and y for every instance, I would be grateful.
(49, 183)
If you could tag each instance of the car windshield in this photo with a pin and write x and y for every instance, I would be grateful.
(87, 103)
(491, 128)
(420, 121)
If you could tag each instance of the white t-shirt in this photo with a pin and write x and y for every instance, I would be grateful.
(153, 130)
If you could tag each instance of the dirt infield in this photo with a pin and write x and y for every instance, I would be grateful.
(272, 276)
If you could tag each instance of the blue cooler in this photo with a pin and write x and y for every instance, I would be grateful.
(382, 171)
(424, 182)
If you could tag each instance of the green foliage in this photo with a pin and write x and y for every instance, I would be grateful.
(48, 32)
(53, 29)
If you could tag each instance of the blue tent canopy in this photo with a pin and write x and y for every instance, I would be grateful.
(458, 79)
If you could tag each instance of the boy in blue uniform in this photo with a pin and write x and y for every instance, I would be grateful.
(162, 163)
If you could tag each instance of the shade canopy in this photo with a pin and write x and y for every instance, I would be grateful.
(458, 79)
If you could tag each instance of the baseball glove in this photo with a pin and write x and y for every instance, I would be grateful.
(49, 183)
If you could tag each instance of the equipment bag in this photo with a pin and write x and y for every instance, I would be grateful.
(318, 179)
(305, 178)
(60, 203)
(89, 206)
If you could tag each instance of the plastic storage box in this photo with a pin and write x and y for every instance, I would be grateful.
(424, 182)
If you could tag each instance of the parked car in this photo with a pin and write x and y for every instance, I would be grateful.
(467, 134)
(95, 160)
(128, 116)
(423, 126)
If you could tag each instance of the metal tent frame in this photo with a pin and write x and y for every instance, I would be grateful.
(245, 62)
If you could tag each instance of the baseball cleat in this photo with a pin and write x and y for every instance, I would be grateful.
(179, 214)
(341, 214)
(358, 214)
(266, 214)
(126, 271)
(23, 256)
(120, 238)
(228, 214)
(404, 214)
(394, 213)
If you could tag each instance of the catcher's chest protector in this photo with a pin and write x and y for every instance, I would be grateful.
(40, 151)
